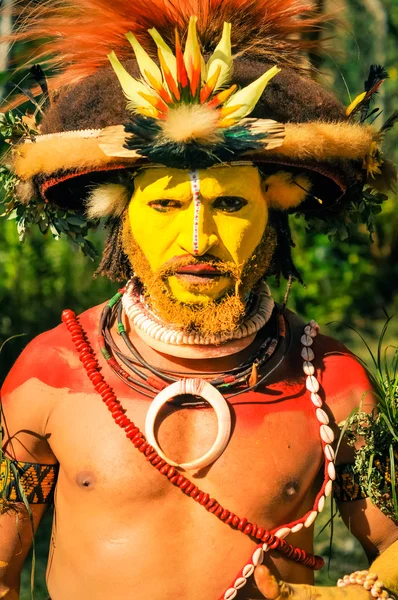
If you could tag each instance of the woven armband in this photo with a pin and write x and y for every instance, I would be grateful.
(347, 486)
(37, 481)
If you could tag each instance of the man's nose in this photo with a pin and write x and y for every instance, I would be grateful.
(198, 230)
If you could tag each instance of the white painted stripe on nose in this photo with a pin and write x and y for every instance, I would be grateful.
(195, 186)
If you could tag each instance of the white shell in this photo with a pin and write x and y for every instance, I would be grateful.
(328, 488)
(322, 416)
(173, 338)
(308, 368)
(230, 593)
(312, 384)
(306, 340)
(265, 547)
(326, 434)
(329, 452)
(251, 327)
(314, 325)
(240, 583)
(321, 504)
(258, 557)
(331, 471)
(283, 532)
(297, 527)
(310, 331)
(311, 518)
(316, 400)
(247, 571)
(307, 354)
(180, 337)
(163, 336)
(140, 319)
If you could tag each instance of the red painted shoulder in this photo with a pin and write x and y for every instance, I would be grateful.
(52, 358)
(343, 378)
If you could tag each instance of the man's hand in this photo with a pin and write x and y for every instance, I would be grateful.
(274, 590)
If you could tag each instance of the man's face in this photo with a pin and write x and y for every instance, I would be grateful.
(198, 230)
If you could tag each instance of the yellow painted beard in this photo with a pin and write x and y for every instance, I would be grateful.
(220, 315)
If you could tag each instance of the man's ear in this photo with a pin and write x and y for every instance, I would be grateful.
(284, 190)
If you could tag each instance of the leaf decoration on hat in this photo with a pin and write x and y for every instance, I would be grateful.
(183, 108)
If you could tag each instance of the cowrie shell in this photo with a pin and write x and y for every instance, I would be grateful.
(329, 452)
(331, 471)
(312, 384)
(308, 368)
(322, 416)
(328, 488)
(311, 518)
(307, 354)
(283, 532)
(258, 557)
(316, 400)
(327, 434)
(248, 570)
(240, 583)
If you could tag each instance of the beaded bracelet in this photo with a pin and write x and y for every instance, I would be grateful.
(369, 581)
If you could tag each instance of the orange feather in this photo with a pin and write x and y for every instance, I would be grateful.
(182, 75)
(73, 37)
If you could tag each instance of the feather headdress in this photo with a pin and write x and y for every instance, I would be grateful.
(74, 37)
(125, 94)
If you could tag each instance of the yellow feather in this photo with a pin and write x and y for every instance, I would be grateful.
(222, 57)
(354, 103)
(192, 48)
(145, 62)
(248, 97)
(167, 52)
(131, 87)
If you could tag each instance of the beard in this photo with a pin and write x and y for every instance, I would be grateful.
(220, 316)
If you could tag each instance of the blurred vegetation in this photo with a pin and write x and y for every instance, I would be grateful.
(348, 282)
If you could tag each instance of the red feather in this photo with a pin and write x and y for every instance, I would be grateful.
(74, 36)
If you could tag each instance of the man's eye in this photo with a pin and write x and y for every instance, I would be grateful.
(165, 205)
(229, 203)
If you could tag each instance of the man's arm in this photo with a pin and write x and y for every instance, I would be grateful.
(15, 542)
(26, 462)
(379, 536)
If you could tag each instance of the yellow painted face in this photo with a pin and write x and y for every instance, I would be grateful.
(219, 212)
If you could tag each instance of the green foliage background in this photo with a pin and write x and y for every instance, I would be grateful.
(349, 281)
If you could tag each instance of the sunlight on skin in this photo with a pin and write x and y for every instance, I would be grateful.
(161, 215)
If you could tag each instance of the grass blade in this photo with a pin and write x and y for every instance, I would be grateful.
(393, 481)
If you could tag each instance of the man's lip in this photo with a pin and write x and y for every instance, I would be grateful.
(201, 269)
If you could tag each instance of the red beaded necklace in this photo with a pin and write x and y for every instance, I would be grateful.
(133, 433)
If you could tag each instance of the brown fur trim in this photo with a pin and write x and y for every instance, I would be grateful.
(321, 141)
(58, 153)
(316, 142)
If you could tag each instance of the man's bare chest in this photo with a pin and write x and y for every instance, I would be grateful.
(266, 472)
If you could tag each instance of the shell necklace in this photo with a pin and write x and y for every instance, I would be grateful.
(145, 321)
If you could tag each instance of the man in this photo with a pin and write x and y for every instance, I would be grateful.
(238, 398)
